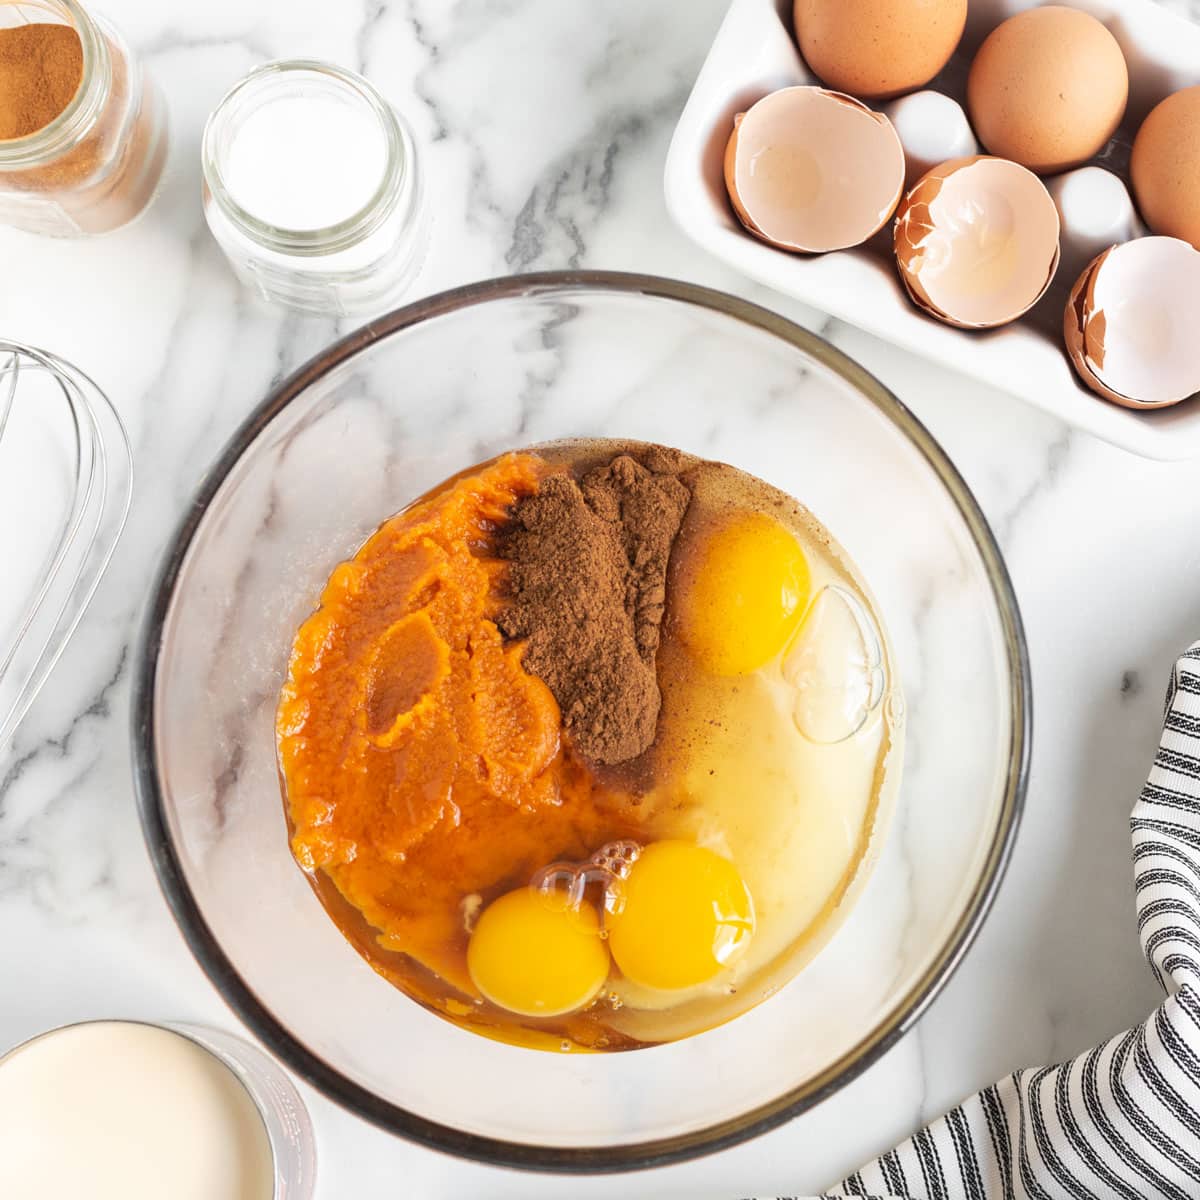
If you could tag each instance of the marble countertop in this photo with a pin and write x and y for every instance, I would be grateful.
(544, 127)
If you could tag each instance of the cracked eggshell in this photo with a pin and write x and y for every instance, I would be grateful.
(813, 170)
(1131, 323)
(976, 242)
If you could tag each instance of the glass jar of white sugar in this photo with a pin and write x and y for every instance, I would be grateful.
(312, 188)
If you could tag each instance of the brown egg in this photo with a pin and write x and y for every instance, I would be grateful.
(813, 170)
(878, 48)
(976, 241)
(1165, 168)
(1047, 88)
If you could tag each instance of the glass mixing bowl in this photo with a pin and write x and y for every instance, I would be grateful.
(378, 419)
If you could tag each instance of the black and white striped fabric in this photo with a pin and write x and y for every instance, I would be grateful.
(1124, 1119)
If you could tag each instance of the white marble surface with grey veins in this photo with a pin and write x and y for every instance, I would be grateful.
(544, 127)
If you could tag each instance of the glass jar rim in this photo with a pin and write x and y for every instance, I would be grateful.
(76, 120)
(328, 239)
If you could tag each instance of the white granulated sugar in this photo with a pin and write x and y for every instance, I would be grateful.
(305, 161)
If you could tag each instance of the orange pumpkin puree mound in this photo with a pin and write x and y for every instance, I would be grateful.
(422, 763)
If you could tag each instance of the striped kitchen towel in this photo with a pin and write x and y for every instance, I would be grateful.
(1122, 1120)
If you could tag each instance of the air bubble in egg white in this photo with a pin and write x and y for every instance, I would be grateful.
(605, 870)
(836, 666)
(932, 129)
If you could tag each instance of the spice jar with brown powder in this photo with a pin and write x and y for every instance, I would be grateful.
(83, 135)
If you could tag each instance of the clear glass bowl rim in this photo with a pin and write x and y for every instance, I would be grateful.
(635, 1155)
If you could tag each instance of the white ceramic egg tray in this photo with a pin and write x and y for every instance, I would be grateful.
(754, 54)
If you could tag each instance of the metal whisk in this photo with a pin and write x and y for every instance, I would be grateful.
(43, 395)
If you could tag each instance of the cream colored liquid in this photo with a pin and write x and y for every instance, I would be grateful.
(115, 1110)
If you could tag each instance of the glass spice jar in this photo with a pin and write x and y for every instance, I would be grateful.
(97, 164)
(313, 189)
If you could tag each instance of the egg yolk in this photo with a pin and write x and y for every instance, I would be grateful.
(686, 914)
(536, 955)
(744, 595)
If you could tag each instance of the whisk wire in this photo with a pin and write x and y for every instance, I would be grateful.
(101, 491)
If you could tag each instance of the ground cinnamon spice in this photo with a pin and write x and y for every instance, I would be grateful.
(41, 67)
(587, 580)
(103, 167)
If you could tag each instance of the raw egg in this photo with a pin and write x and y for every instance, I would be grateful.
(812, 170)
(976, 241)
(878, 48)
(1130, 325)
(538, 955)
(744, 595)
(1048, 88)
(684, 914)
(1165, 167)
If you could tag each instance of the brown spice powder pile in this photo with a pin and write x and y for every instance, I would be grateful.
(588, 564)
(110, 175)
(40, 69)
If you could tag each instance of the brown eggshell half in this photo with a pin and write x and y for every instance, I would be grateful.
(735, 198)
(916, 224)
(775, 173)
(1085, 328)
(1077, 335)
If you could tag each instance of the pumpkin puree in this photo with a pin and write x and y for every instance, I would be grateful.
(422, 763)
